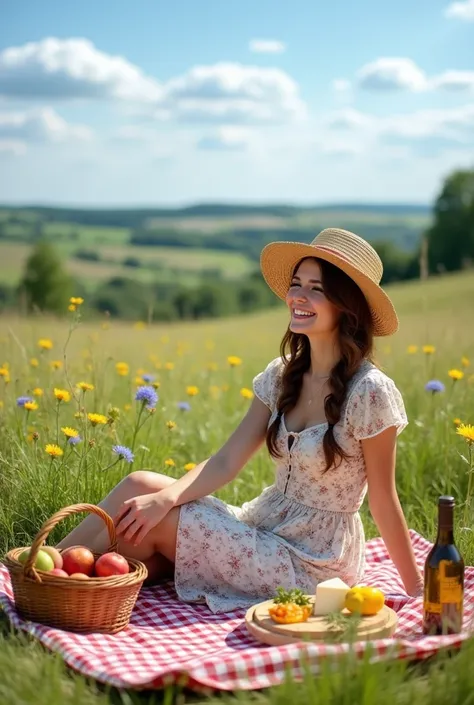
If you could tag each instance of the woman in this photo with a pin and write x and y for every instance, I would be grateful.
(330, 419)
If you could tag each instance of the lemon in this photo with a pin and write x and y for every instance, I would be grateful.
(365, 600)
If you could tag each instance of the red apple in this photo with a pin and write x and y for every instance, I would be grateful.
(59, 572)
(55, 555)
(79, 576)
(111, 564)
(78, 559)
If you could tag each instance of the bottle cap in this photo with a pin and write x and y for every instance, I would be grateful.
(446, 501)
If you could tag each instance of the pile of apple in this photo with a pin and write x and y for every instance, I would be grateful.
(77, 562)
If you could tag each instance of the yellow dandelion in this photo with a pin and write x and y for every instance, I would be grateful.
(428, 349)
(169, 462)
(30, 406)
(34, 362)
(138, 380)
(4, 372)
(71, 307)
(56, 364)
(45, 343)
(456, 375)
(192, 391)
(38, 392)
(234, 361)
(169, 365)
(465, 362)
(53, 450)
(412, 349)
(171, 425)
(466, 431)
(457, 422)
(69, 432)
(62, 394)
(246, 393)
(85, 386)
(122, 368)
(96, 419)
(76, 300)
(189, 466)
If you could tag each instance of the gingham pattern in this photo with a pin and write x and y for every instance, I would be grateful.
(171, 642)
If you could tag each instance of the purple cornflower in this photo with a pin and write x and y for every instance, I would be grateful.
(74, 440)
(184, 406)
(21, 401)
(147, 395)
(434, 385)
(124, 453)
(148, 378)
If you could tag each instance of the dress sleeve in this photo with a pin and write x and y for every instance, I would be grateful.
(374, 405)
(266, 383)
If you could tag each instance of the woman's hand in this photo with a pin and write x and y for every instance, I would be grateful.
(139, 515)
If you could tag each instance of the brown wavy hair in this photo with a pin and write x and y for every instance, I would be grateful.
(355, 337)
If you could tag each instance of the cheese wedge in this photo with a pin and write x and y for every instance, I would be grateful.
(330, 596)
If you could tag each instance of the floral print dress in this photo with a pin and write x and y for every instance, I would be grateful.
(303, 528)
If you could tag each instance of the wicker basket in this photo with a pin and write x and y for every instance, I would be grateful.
(94, 605)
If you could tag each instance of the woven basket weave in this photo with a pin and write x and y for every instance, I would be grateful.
(95, 605)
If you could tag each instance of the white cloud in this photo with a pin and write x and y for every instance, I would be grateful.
(17, 129)
(389, 73)
(461, 10)
(13, 147)
(72, 68)
(227, 138)
(351, 119)
(267, 46)
(341, 85)
(233, 94)
(454, 80)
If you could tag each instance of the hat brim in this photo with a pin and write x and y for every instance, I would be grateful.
(279, 259)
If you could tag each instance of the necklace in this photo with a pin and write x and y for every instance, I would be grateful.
(318, 379)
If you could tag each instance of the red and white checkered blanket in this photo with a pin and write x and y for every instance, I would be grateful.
(171, 642)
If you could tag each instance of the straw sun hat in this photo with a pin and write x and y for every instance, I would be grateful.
(345, 250)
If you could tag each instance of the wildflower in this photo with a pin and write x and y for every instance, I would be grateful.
(465, 362)
(151, 409)
(92, 443)
(34, 436)
(467, 432)
(456, 375)
(21, 401)
(124, 453)
(45, 344)
(155, 385)
(71, 307)
(189, 466)
(122, 368)
(457, 422)
(127, 407)
(113, 414)
(169, 365)
(97, 419)
(74, 440)
(412, 349)
(85, 386)
(4, 372)
(234, 361)
(148, 378)
(147, 395)
(169, 462)
(246, 393)
(76, 300)
(69, 432)
(30, 406)
(53, 450)
(34, 362)
(38, 392)
(171, 425)
(428, 349)
(56, 364)
(184, 406)
(192, 390)
(434, 386)
(62, 395)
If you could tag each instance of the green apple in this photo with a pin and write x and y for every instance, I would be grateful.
(43, 560)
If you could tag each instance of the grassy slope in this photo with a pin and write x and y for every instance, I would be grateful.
(436, 312)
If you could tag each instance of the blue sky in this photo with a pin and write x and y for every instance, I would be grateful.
(159, 103)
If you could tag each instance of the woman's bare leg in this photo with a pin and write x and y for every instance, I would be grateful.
(91, 532)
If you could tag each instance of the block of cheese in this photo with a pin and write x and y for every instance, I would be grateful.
(330, 596)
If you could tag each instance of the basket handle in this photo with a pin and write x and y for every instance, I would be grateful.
(50, 523)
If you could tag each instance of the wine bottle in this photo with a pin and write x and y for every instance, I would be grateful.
(443, 595)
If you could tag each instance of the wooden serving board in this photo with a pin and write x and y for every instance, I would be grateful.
(262, 627)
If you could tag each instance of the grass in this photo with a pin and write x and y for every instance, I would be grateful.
(429, 462)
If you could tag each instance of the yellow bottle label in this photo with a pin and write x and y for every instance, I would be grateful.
(450, 589)
(432, 607)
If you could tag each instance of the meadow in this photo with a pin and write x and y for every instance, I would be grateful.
(210, 365)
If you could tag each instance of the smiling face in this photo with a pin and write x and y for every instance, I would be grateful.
(312, 313)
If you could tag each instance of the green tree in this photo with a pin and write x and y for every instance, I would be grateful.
(45, 284)
(451, 237)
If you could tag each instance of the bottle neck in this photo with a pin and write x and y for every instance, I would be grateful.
(445, 525)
